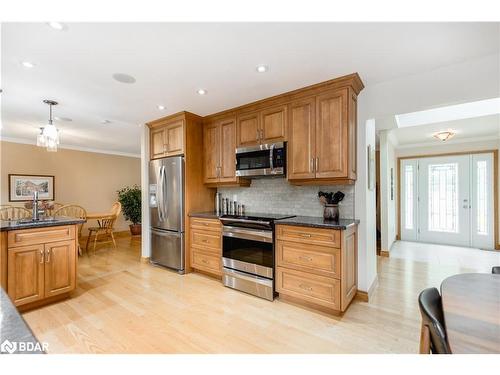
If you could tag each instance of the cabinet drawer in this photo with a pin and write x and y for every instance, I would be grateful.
(206, 239)
(315, 236)
(206, 262)
(25, 237)
(320, 290)
(207, 224)
(321, 260)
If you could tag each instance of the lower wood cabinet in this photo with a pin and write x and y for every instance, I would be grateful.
(317, 266)
(206, 245)
(43, 270)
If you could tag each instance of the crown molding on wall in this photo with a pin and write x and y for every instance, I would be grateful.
(75, 148)
(452, 141)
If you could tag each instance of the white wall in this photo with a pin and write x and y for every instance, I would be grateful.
(146, 233)
(388, 206)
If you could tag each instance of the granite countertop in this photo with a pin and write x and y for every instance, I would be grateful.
(6, 225)
(206, 214)
(318, 222)
(14, 328)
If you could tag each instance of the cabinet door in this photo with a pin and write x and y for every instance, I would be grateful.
(273, 124)
(248, 130)
(332, 135)
(60, 269)
(301, 140)
(174, 134)
(25, 274)
(227, 172)
(158, 143)
(211, 152)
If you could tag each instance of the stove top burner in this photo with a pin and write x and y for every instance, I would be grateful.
(258, 217)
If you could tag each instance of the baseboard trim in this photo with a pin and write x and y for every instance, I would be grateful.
(145, 260)
(365, 296)
(384, 253)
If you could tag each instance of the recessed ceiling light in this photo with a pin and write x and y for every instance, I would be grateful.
(161, 107)
(27, 64)
(105, 122)
(201, 92)
(67, 119)
(56, 25)
(123, 78)
(261, 68)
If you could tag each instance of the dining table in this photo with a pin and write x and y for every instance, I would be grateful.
(471, 308)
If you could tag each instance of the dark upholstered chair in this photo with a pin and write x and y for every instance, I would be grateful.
(433, 334)
(496, 270)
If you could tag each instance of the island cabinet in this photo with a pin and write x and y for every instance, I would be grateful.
(39, 264)
(206, 245)
(219, 150)
(322, 138)
(316, 266)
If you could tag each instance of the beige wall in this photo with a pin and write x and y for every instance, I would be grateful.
(85, 178)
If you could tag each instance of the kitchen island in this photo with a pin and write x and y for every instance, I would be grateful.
(38, 259)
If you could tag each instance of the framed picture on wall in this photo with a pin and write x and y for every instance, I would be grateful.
(22, 187)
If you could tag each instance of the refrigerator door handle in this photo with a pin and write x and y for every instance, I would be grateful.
(160, 193)
(164, 191)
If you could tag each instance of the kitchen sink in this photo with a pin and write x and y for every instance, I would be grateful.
(32, 221)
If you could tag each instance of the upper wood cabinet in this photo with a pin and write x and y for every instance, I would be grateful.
(219, 149)
(322, 138)
(261, 127)
(167, 138)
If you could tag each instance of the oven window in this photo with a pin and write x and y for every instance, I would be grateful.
(253, 160)
(249, 251)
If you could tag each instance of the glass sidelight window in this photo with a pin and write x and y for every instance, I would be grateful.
(482, 198)
(409, 181)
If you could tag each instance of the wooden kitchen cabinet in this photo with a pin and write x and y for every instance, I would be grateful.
(41, 264)
(317, 266)
(262, 127)
(206, 245)
(219, 150)
(167, 138)
(322, 147)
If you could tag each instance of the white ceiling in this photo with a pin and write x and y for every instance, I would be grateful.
(171, 61)
(472, 129)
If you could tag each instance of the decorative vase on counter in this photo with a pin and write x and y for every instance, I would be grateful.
(331, 212)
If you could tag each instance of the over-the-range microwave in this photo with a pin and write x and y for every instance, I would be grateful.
(261, 160)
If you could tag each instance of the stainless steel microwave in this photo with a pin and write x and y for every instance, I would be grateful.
(261, 160)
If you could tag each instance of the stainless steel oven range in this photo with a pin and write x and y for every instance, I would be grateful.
(248, 253)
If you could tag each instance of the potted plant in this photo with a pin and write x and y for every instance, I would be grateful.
(130, 198)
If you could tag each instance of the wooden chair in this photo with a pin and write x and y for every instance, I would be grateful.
(433, 338)
(14, 213)
(55, 207)
(73, 210)
(106, 227)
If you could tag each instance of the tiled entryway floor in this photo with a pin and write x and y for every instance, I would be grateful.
(463, 257)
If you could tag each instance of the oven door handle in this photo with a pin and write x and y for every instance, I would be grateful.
(247, 221)
(246, 234)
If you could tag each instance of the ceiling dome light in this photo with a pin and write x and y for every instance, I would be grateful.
(201, 92)
(105, 122)
(49, 134)
(123, 78)
(28, 64)
(444, 135)
(262, 68)
(56, 25)
(161, 107)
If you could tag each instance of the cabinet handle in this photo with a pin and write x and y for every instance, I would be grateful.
(164, 148)
(317, 164)
(261, 134)
(204, 241)
(258, 134)
(204, 261)
(305, 287)
(48, 256)
(305, 258)
(306, 235)
(42, 257)
(312, 165)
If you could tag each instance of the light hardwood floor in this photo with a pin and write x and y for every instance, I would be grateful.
(124, 306)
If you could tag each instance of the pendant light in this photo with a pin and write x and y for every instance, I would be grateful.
(49, 134)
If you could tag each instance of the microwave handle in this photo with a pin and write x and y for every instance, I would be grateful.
(271, 157)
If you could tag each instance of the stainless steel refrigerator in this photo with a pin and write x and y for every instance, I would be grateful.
(166, 204)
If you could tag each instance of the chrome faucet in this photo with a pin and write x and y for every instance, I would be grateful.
(35, 206)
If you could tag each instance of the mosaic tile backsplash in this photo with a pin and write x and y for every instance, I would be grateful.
(276, 195)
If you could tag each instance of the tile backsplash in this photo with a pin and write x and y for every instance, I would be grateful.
(276, 195)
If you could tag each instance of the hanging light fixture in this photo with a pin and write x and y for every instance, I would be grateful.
(444, 135)
(49, 134)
